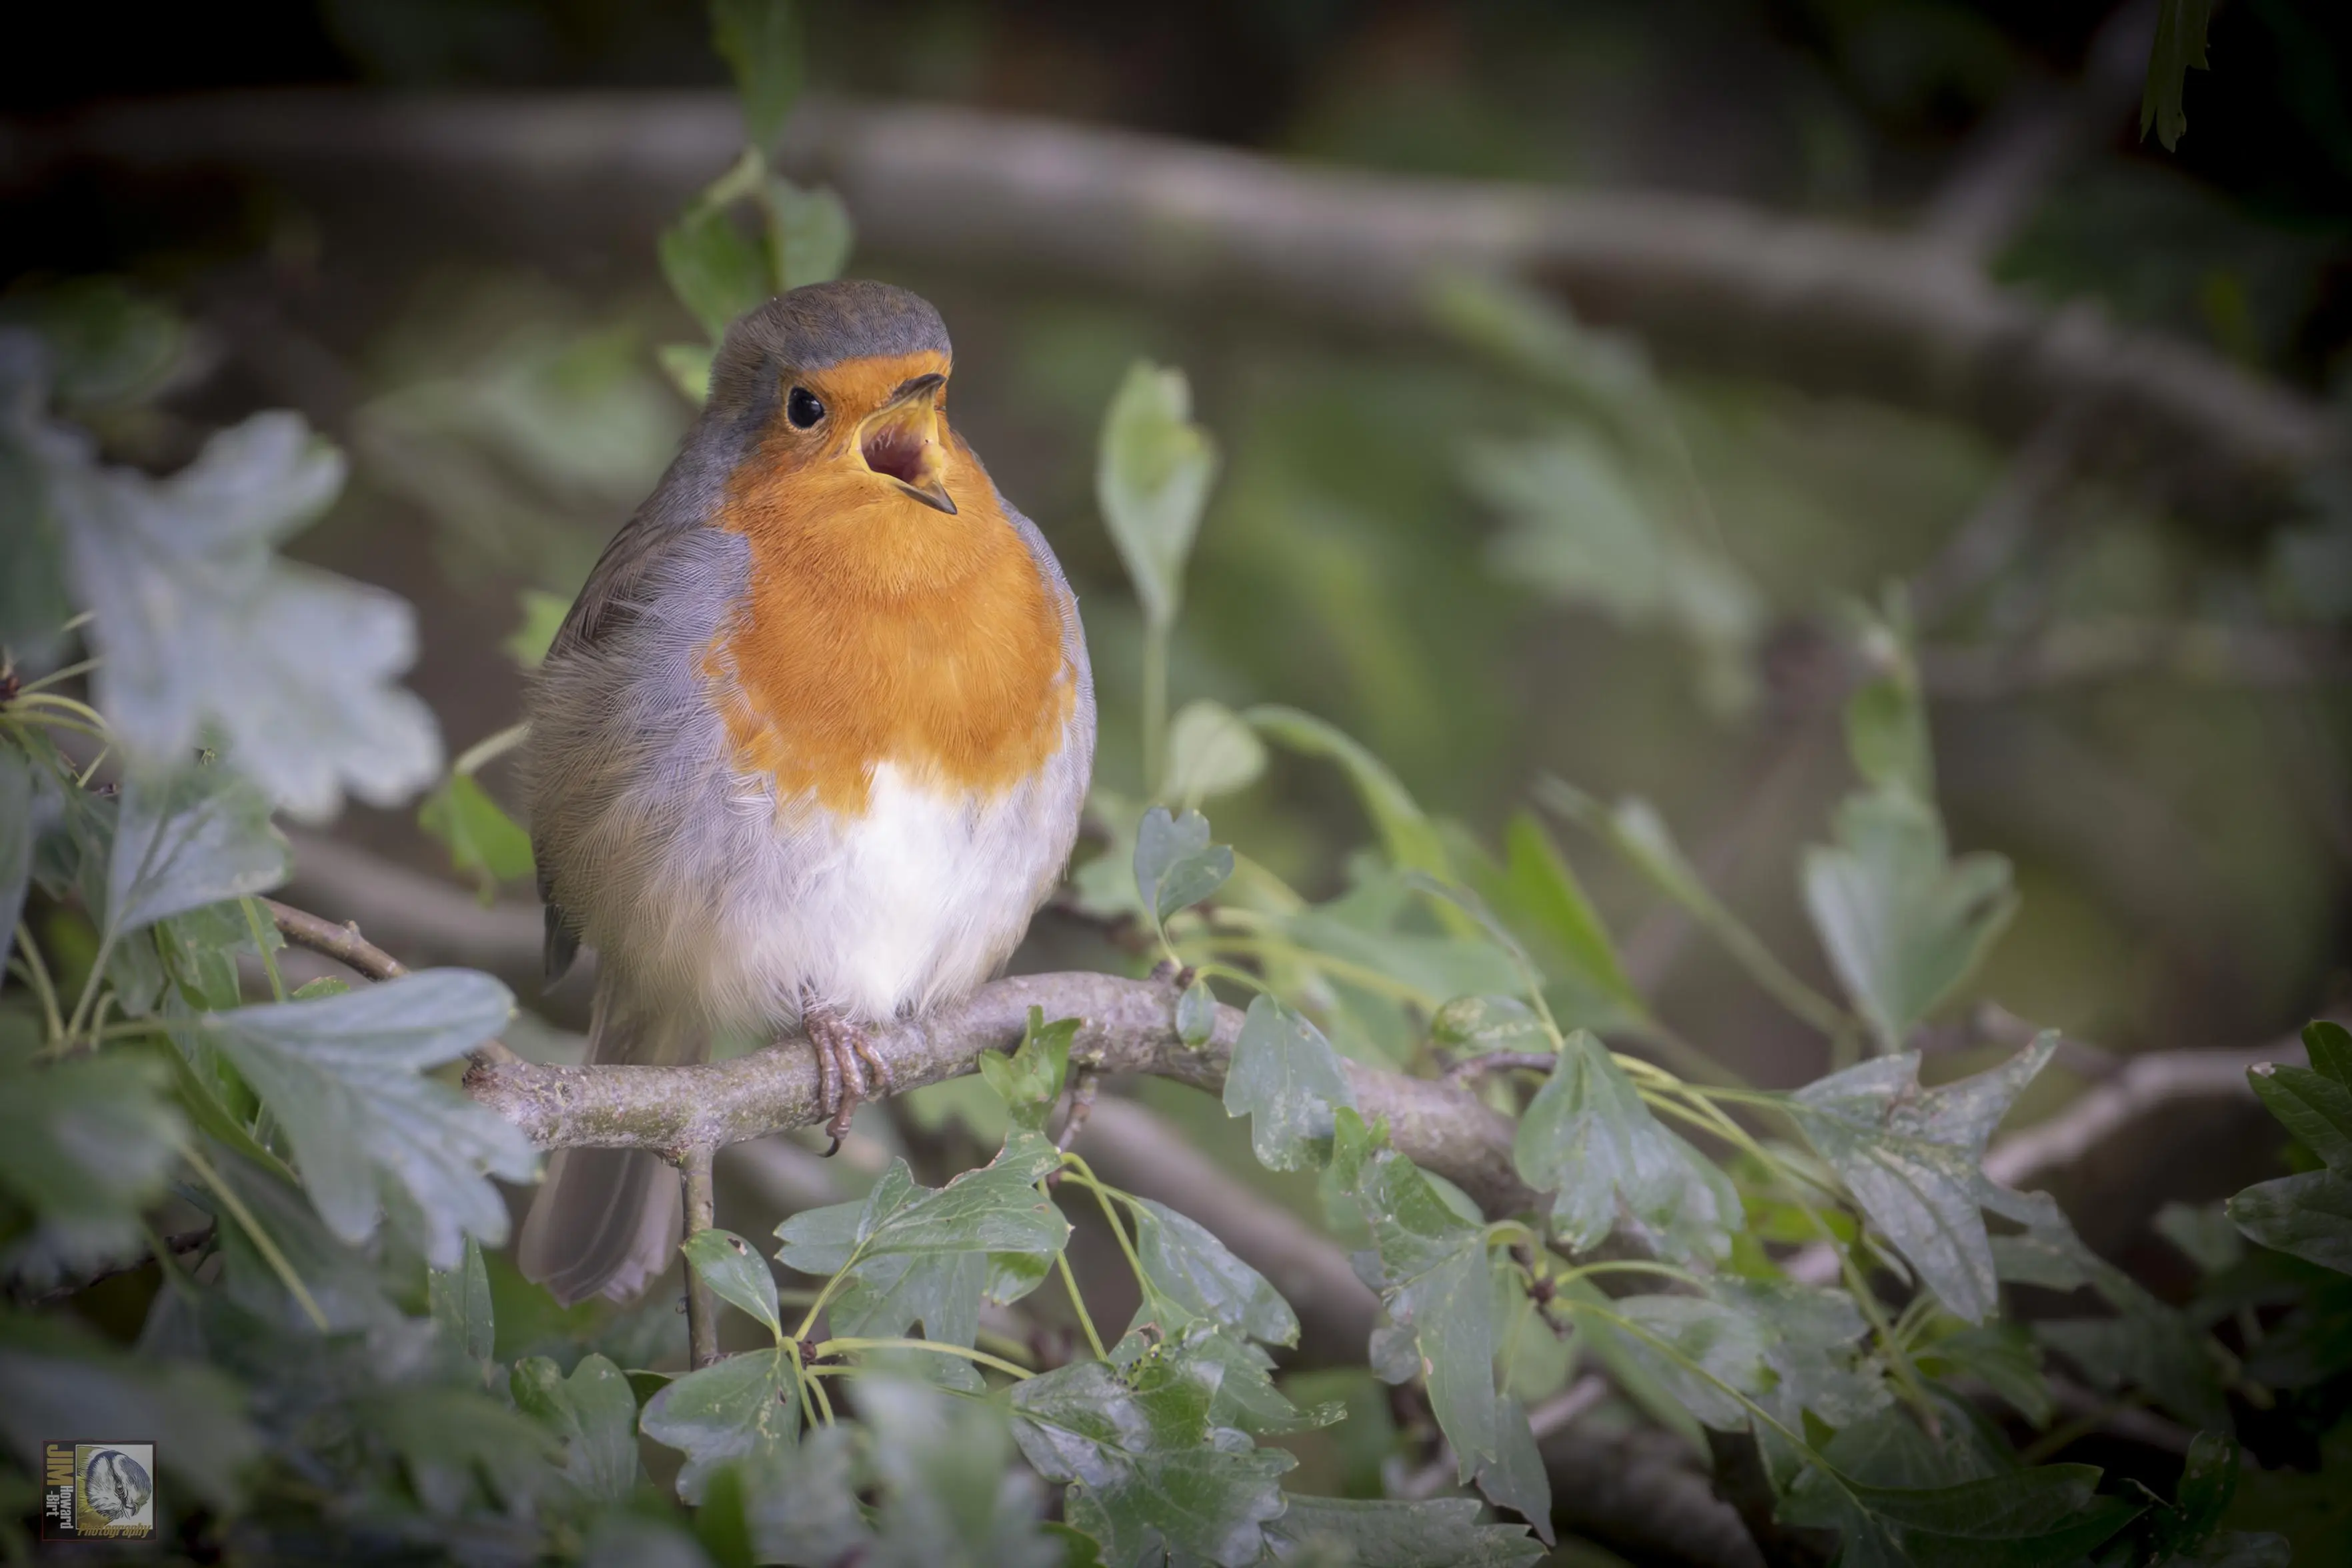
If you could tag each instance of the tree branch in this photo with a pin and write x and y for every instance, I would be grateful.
(701, 1303)
(1709, 283)
(1129, 1026)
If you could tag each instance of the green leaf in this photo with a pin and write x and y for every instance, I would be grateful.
(1587, 1139)
(2179, 48)
(761, 42)
(1210, 752)
(1902, 923)
(1489, 1023)
(456, 1445)
(484, 841)
(111, 345)
(802, 1504)
(1443, 1533)
(2001, 1356)
(460, 1300)
(1913, 1158)
(1410, 838)
(1147, 1469)
(1720, 1343)
(180, 843)
(746, 1406)
(713, 267)
(2330, 1046)
(345, 1076)
(1184, 1264)
(1176, 866)
(1286, 1078)
(688, 365)
(1886, 733)
(733, 1266)
(543, 615)
(2204, 1234)
(1537, 892)
(1152, 482)
(2309, 1216)
(595, 1414)
(61, 1379)
(809, 233)
(200, 624)
(1196, 1015)
(1814, 1340)
(1030, 1080)
(943, 1463)
(2316, 1108)
(1429, 1264)
(86, 1144)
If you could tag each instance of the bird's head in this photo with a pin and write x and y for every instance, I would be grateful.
(836, 393)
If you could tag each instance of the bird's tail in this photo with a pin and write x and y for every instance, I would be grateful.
(606, 1220)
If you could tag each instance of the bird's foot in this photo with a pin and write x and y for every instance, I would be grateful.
(848, 1068)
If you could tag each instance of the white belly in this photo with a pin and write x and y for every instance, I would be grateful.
(917, 899)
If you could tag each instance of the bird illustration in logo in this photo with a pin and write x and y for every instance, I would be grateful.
(114, 1486)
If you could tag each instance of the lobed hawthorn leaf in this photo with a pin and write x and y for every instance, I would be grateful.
(1152, 476)
(1187, 1266)
(1429, 1264)
(1176, 866)
(483, 842)
(1148, 1469)
(1913, 1158)
(1902, 922)
(2148, 1344)
(192, 839)
(2314, 1107)
(1286, 1079)
(951, 1493)
(1443, 1533)
(201, 625)
(456, 1446)
(2308, 1215)
(1030, 1080)
(731, 1266)
(713, 266)
(801, 1505)
(1210, 752)
(593, 1413)
(2001, 1356)
(1406, 833)
(1724, 1343)
(809, 233)
(1537, 890)
(1814, 1343)
(344, 1077)
(745, 1408)
(87, 1143)
(1196, 1015)
(1589, 1140)
(2329, 1045)
(762, 42)
(460, 1303)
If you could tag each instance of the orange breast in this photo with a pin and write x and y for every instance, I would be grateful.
(879, 630)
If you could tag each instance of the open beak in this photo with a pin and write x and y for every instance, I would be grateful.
(900, 441)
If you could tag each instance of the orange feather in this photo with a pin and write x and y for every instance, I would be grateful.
(877, 628)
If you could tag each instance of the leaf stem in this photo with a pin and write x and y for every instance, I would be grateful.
(1155, 707)
(804, 1379)
(1084, 1175)
(262, 931)
(36, 970)
(262, 1242)
(54, 677)
(1078, 1303)
(938, 1347)
(479, 755)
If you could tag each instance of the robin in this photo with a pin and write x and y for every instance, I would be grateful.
(810, 748)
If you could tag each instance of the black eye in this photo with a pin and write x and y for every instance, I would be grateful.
(803, 408)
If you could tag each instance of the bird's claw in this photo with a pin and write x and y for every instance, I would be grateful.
(845, 1053)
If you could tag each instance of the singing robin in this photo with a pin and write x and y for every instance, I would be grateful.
(810, 748)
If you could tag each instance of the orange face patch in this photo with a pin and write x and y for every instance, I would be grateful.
(878, 628)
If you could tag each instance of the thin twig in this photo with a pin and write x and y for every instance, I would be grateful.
(347, 946)
(702, 1304)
